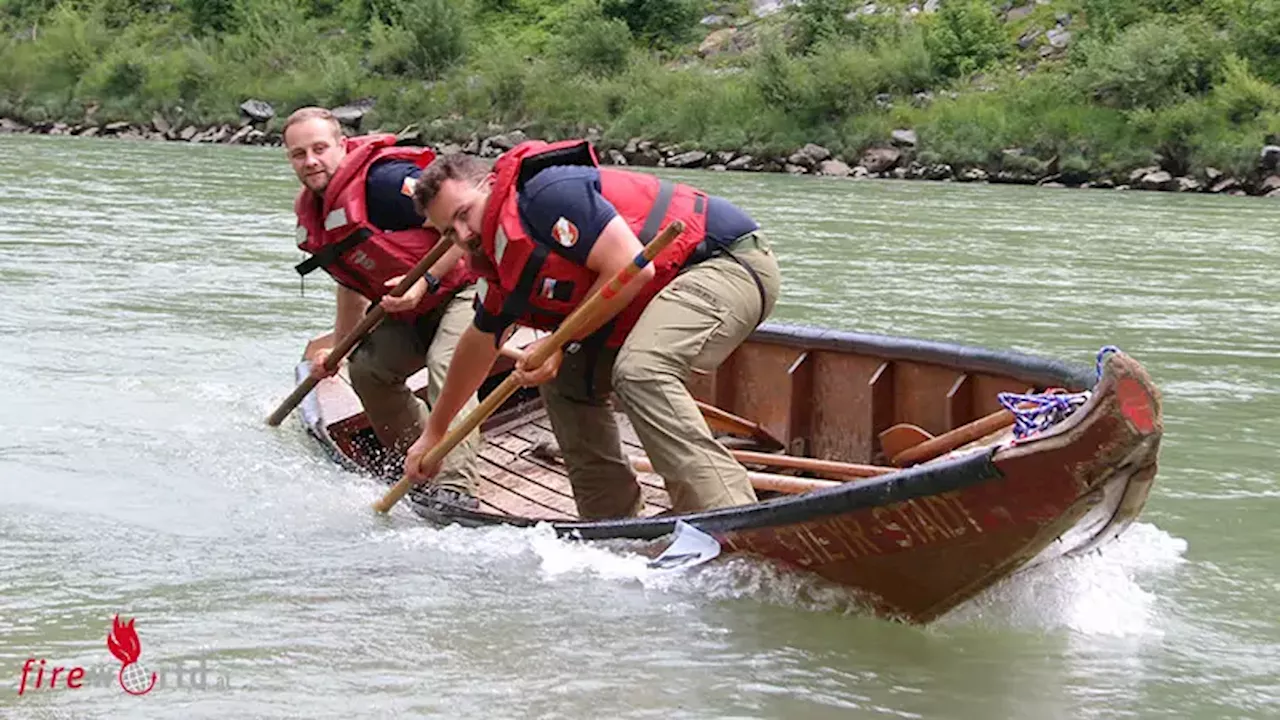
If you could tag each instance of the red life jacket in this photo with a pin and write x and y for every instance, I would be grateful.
(336, 230)
(538, 287)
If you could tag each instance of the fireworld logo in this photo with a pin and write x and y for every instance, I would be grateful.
(132, 677)
(123, 642)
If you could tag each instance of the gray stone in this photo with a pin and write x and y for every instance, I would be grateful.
(795, 169)
(159, 123)
(1028, 38)
(115, 127)
(691, 159)
(1159, 180)
(89, 131)
(809, 156)
(742, 162)
(1212, 175)
(931, 6)
(713, 20)
(765, 8)
(1140, 173)
(239, 135)
(973, 175)
(10, 126)
(860, 173)
(1059, 38)
(723, 157)
(716, 168)
(1186, 184)
(1225, 185)
(1018, 13)
(616, 157)
(257, 110)
(352, 113)
(717, 42)
(834, 168)
(904, 138)
(878, 160)
(1270, 185)
(506, 141)
(1269, 159)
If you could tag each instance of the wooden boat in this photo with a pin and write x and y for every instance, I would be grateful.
(912, 542)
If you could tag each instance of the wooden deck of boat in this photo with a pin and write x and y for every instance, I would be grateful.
(517, 482)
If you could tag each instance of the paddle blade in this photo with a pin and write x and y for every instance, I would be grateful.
(901, 437)
(689, 547)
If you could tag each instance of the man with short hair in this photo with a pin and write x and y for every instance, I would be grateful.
(547, 227)
(357, 219)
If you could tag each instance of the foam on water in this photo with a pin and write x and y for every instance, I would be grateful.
(1098, 594)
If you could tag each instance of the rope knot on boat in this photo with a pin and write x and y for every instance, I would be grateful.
(1036, 412)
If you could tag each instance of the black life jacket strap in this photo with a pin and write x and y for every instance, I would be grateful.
(329, 255)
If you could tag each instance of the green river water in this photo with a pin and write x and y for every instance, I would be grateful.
(150, 319)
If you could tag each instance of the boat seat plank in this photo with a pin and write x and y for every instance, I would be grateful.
(521, 481)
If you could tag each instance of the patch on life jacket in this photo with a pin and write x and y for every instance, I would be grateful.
(565, 232)
(300, 234)
(407, 187)
(335, 219)
(553, 289)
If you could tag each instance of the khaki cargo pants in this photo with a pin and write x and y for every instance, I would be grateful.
(382, 363)
(696, 321)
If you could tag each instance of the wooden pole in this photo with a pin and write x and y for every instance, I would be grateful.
(366, 325)
(593, 309)
(952, 439)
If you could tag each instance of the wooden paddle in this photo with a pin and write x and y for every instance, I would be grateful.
(952, 439)
(761, 481)
(833, 468)
(725, 421)
(367, 324)
(592, 310)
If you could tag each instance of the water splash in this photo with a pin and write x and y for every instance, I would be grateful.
(1097, 594)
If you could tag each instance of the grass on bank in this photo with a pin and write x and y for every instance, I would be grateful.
(1187, 85)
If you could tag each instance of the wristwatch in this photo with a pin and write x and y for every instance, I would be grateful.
(433, 283)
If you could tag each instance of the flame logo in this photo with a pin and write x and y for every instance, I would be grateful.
(123, 642)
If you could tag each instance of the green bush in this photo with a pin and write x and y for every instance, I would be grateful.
(1151, 64)
(818, 21)
(660, 22)
(591, 43)
(964, 37)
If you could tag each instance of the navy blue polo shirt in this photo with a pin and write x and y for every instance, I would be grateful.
(389, 198)
(562, 208)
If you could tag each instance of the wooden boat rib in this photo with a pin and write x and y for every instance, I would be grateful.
(913, 543)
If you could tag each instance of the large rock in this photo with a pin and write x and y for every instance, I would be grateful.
(257, 110)
(10, 126)
(691, 159)
(878, 160)
(904, 138)
(352, 113)
(159, 123)
(809, 156)
(742, 163)
(1269, 185)
(717, 42)
(1269, 159)
(1159, 180)
(834, 168)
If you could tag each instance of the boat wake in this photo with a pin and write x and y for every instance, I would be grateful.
(1100, 593)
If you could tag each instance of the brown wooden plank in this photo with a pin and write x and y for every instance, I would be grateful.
(960, 402)
(509, 503)
(800, 399)
(883, 398)
(516, 481)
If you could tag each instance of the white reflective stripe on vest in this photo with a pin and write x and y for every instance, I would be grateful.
(499, 245)
(482, 288)
(336, 219)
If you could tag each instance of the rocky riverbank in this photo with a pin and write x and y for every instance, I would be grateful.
(896, 158)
